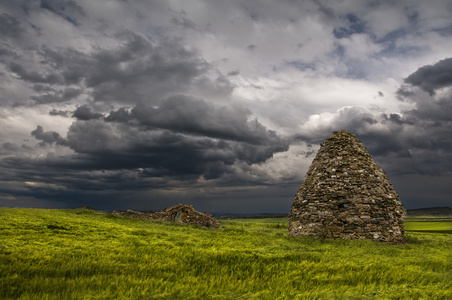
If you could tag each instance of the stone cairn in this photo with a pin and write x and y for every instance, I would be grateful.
(345, 194)
(185, 214)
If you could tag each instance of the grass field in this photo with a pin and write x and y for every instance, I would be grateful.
(429, 224)
(86, 254)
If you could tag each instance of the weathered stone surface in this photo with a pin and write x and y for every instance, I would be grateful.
(345, 194)
(181, 213)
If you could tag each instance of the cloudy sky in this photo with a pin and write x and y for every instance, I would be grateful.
(119, 104)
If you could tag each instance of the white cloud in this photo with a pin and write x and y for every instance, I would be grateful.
(387, 19)
(360, 47)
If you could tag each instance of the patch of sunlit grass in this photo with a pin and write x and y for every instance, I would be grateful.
(86, 254)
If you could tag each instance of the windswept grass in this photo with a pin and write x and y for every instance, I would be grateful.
(85, 254)
(430, 224)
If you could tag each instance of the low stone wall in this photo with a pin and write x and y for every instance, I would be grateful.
(185, 214)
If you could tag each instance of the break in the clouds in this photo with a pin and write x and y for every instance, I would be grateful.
(116, 104)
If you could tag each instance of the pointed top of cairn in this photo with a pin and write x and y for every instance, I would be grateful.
(345, 194)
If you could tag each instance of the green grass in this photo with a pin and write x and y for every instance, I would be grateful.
(86, 254)
(429, 224)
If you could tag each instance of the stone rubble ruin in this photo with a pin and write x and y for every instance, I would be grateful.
(185, 214)
(345, 194)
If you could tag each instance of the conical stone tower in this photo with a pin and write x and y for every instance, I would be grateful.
(346, 195)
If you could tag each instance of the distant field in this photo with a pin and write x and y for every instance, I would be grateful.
(429, 224)
(86, 254)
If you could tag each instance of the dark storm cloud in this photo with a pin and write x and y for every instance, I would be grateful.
(184, 136)
(56, 96)
(394, 118)
(132, 72)
(120, 115)
(84, 113)
(431, 112)
(10, 27)
(139, 58)
(147, 141)
(13, 149)
(8, 148)
(34, 76)
(73, 65)
(432, 77)
(67, 10)
(62, 113)
(178, 142)
(5, 52)
(196, 116)
(182, 21)
(234, 73)
(125, 156)
(172, 142)
(48, 137)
